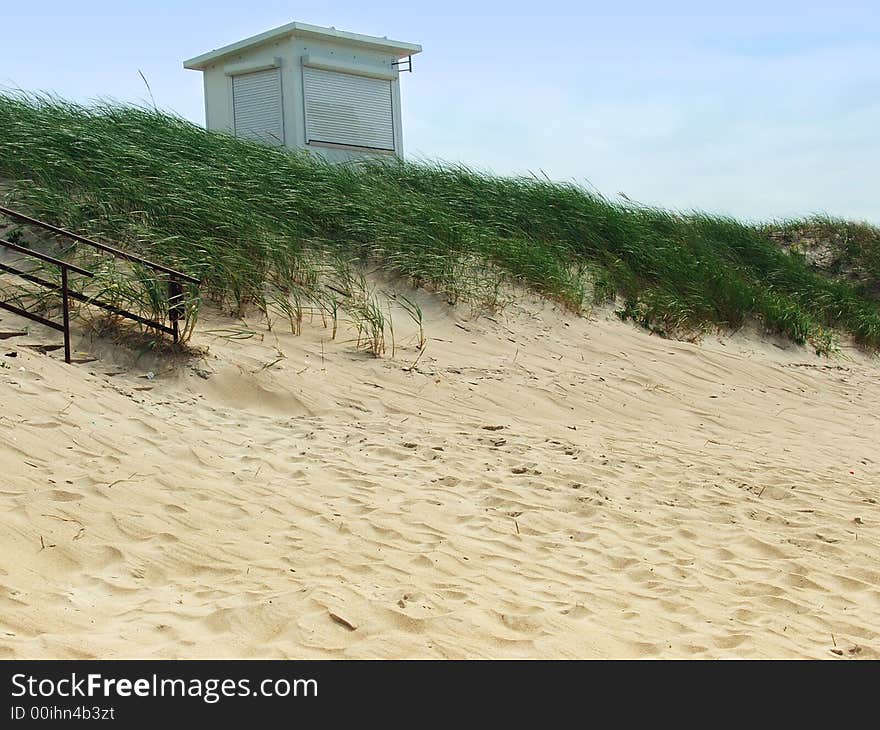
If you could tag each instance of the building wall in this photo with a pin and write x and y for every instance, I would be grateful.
(218, 83)
(356, 57)
(218, 89)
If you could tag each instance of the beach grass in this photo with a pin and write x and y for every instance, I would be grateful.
(290, 234)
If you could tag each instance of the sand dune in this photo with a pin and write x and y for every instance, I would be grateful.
(540, 485)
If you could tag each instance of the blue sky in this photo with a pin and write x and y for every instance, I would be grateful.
(757, 109)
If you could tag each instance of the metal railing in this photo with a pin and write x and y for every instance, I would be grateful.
(176, 280)
(65, 291)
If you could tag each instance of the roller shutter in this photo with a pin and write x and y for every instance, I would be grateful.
(347, 109)
(256, 104)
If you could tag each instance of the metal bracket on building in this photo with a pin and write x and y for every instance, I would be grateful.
(399, 65)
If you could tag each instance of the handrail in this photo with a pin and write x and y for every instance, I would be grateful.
(100, 246)
(176, 307)
(65, 293)
(88, 300)
(44, 257)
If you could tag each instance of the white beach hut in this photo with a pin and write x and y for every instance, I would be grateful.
(304, 86)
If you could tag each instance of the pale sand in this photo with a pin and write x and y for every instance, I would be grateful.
(644, 498)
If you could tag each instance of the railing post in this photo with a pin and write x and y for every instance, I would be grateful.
(65, 305)
(175, 305)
